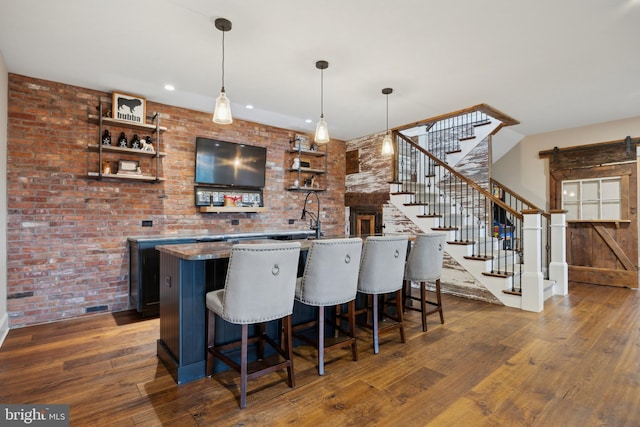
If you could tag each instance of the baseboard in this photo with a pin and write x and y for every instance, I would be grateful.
(4, 328)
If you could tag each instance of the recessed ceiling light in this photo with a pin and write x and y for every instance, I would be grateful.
(169, 87)
(249, 107)
(308, 121)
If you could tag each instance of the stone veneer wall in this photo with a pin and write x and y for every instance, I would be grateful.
(373, 177)
(67, 234)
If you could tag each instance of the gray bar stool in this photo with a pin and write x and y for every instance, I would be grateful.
(425, 265)
(330, 278)
(260, 287)
(381, 272)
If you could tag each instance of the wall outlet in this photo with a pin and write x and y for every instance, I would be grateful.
(147, 223)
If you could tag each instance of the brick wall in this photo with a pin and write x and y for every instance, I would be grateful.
(67, 234)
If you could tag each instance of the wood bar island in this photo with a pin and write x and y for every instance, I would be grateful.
(187, 273)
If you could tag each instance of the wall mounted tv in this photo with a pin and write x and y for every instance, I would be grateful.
(229, 164)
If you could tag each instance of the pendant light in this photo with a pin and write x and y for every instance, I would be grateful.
(222, 111)
(322, 131)
(387, 143)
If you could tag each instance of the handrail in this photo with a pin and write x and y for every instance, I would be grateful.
(531, 205)
(481, 190)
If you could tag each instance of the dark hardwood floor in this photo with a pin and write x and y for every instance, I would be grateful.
(575, 364)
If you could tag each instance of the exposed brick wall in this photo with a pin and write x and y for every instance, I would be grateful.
(67, 234)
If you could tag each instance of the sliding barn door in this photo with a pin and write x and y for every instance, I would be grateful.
(597, 186)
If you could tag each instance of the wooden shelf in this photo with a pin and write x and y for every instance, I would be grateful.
(307, 152)
(123, 150)
(305, 189)
(125, 177)
(123, 123)
(307, 170)
(231, 209)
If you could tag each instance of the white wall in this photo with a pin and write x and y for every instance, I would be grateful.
(4, 111)
(525, 172)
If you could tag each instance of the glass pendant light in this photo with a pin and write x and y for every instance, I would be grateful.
(387, 143)
(222, 111)
(322, 131)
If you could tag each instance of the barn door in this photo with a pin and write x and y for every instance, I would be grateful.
(600, 200)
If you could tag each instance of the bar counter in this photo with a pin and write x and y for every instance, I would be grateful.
(187, 272)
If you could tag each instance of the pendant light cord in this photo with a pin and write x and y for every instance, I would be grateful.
(322, 93)
(387, 114)
(223, 61)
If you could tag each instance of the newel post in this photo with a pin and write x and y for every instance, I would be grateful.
(532, 279)
(558, 267)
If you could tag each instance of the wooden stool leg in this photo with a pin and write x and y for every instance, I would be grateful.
(399, 313)
(423, 305)
(288, 349)
(439, 299)
(321, 340)
(376, 347)
(352, 329)
(243, 366)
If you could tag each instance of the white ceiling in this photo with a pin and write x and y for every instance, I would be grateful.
(551, 64)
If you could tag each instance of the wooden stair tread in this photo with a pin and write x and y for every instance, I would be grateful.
(428, 216)
(505, 275)
(460, 242)
(453, 151)
(466, 138)
(510, 292)
(478, 257)
(401, 193)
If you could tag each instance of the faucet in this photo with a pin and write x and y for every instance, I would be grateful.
(314, 221)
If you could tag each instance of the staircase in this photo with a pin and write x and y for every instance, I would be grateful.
(485, 235)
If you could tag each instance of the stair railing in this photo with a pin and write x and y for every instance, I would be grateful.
(519, 203)
(462, 207)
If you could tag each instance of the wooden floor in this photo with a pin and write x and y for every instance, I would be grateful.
(575, 364)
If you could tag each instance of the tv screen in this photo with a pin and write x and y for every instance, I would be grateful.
(229, 164)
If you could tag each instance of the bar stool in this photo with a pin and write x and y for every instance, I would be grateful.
(260, 287)
(425, 265)
(330, 279)
(381, 272)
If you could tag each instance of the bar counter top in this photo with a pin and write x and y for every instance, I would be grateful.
(215, 250)
(293, 234)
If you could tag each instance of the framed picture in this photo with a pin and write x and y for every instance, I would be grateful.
(301, 142)
(130, 108)
(129, 167)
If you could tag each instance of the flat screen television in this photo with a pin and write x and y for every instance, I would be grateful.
(229, 164)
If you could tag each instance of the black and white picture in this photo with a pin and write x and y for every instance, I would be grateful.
(130, 108)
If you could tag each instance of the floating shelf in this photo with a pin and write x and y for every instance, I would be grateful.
(123, 150)
(231, 209)
(307, 152)
(115, 122)
(125, 177)
(305, 189)
(307, 170)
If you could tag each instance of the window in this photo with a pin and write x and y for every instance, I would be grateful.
(592, 198)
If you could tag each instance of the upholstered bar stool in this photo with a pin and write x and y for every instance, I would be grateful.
(260, 287)
(330, 279)
(425, 265)
(381, 273)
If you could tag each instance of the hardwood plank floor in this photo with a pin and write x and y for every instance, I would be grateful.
(576, 363)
